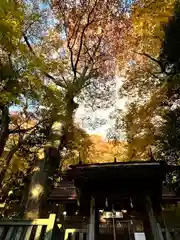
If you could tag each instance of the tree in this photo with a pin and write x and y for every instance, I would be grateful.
(23, 86)
(154, 84)
(103, 151)
(168, 136)
(83, 46)
(79, 149)
(146, 80)
(16, 82)
(86, 28)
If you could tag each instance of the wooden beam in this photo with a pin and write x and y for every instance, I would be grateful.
(41, 221)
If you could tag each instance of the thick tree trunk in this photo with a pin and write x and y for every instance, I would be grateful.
(44, 169)
(4, 130)
(36, 191)
(67, 128)
(38, 187)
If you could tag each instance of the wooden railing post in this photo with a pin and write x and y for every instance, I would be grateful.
(16, 228)
(73, 233)
(50, 226)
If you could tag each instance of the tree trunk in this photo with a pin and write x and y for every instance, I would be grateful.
(4, 131)
(36, 191)
(38, 187)
(67, 128)
(45, 168)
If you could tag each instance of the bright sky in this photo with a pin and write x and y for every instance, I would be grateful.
(102, 114)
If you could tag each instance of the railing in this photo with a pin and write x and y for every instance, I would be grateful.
(171, 234)
(72, 234)
(26, 229)
(81, 234)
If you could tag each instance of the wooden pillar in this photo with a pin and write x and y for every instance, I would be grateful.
(155, 228)
(96, 222)
(91, 226)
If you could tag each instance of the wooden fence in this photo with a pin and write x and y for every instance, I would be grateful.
(26, 229)
(73, 234)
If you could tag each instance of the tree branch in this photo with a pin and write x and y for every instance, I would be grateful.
(76, 29)
(82, 35)
(19, 131)
(74, 69)
(153, 59)
(44, 72)
(91, 62)
(87, 51)
(28, 44)
(63, 78)
(71, 58)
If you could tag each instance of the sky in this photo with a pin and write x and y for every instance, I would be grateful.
(101, 114)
